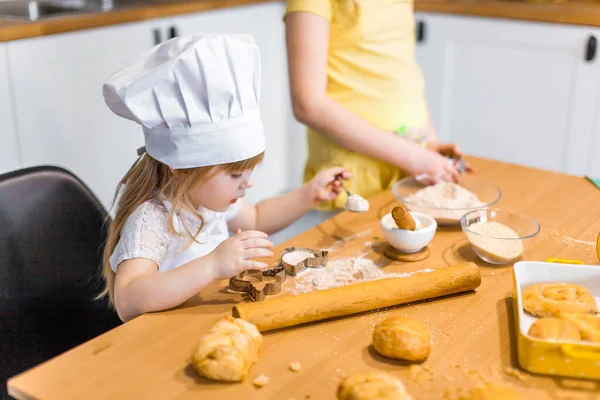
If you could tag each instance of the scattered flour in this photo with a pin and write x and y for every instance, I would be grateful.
(338, 244)
(343, 272)
(570, 240)
(488, 241)
(445, 195)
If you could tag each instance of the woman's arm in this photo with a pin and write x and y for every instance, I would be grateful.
(307, 38)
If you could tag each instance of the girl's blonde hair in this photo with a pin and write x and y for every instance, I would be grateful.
(146, 179)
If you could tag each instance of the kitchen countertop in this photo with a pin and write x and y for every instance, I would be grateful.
(473, 333)
(124, 11)
(572, 12)
(138, 10)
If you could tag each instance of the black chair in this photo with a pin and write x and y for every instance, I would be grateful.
(52, 230)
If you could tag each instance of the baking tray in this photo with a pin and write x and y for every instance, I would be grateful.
(554, 357)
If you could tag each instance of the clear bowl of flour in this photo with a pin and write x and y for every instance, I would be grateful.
(446, 202)
(499, 236)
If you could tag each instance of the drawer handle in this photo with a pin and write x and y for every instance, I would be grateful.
(173, 32)
(420, 32)
(157, 37)
(590, 52)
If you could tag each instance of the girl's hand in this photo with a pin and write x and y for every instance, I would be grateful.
(326, 185)
(235, 254)
(449, 150)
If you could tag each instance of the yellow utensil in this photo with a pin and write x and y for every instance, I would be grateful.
(564, 261)
(598, 247)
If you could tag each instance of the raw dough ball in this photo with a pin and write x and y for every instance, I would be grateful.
(372, 385)
(554, 328)
(552, 299)
(402, 338)
(588, 325)
(228, 350)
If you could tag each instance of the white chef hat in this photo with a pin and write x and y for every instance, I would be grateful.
(197, 99)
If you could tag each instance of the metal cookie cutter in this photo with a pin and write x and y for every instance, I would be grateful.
(319, 260)
(257, 283)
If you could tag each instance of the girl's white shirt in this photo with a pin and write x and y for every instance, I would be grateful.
(146, 234)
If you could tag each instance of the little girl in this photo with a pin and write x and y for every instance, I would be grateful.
(197, 99)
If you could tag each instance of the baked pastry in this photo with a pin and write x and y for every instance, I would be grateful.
(588, 325)
(554, 328)
(552, 299)
(403, 219)
(402, 338)
(228, 350)
(372, 385)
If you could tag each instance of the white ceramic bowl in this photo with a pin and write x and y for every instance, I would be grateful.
(409, 241)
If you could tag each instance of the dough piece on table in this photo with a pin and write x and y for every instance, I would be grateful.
(228, 350)
(554, 328)
(402, 338)
(588, 325)
(261, 381)
(553, 299)
(295, 366)
(372, 385)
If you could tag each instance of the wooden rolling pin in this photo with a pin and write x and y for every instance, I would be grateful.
(283, 312)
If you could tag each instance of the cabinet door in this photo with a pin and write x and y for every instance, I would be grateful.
(61, 115)
(264, 22)
(593, 153)
(9, 147)
(429, 55)
(514, 91)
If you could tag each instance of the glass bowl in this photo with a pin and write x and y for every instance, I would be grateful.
(495, 244)
(487, 193)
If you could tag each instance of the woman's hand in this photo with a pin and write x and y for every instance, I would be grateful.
(326, 185)
(449, 150)
(429, 166)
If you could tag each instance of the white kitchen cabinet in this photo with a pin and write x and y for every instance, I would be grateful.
(593, 153)
(264, 22)
(514, 91)
(9, 146)
(60, 111)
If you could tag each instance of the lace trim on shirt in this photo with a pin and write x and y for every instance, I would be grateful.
(154, 235)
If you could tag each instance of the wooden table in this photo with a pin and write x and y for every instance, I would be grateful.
(148, 358)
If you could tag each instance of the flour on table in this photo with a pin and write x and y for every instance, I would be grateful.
(445, 195)
(343, 272)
